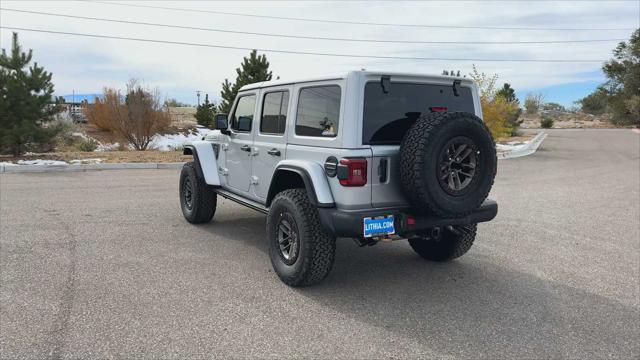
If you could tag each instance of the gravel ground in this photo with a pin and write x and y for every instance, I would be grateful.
(102, 265)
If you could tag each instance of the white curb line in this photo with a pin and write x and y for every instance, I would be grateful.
(529, 149)
(86, 167)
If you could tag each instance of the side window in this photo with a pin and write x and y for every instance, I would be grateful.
(318, 111)
(274, 112)
(243, 115)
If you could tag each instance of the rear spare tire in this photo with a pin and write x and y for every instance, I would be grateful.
(447, 163)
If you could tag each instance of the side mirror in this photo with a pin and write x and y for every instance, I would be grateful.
(220, 120)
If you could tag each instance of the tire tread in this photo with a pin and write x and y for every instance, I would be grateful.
(322, 245)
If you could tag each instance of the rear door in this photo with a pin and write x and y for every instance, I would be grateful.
(389, 113)
(270, 138)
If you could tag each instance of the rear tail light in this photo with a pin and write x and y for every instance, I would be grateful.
(438, 108)
(352, 172)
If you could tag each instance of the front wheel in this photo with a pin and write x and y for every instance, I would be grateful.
(197, 199)
(451, 243)
(301, 251)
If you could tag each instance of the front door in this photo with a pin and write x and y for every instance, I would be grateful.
(239, 150)
(269, 144)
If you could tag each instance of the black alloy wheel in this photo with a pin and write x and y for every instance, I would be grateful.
(288, 238)
(457, 167)
(187, 193)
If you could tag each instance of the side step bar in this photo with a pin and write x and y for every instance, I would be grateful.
(242, 201)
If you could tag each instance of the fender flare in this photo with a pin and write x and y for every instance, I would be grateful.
(314, 178)
(205, 160)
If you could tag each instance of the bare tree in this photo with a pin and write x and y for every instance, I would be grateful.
(135, 118)
(533, 102)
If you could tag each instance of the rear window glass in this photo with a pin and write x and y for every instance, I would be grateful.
(387, 117)
(274, 112)
(318, 111)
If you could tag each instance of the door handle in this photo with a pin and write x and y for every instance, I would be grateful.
(246, 148)
(274, 152)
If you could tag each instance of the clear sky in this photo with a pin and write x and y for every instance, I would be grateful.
(86, 65)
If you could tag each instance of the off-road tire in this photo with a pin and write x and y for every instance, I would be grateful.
(420, 161)
(448, 246)
(316, 249)
(202, 205)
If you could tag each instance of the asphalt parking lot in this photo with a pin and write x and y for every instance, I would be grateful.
(102, 264)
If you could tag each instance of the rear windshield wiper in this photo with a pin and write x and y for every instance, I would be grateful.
(385, 83)
(456, 87)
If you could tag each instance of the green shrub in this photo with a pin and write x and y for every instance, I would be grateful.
(65, 130)
(546, 122)
(87, 145)
(595, 103)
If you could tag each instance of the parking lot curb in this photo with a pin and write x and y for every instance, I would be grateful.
(86, 167)
(529, 149)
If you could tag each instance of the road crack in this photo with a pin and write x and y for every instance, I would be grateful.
(60, 326)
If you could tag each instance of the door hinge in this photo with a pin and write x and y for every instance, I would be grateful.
(254, 180)
(223, 171)
(225, 147)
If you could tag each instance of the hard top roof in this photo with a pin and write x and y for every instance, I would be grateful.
(344, 75)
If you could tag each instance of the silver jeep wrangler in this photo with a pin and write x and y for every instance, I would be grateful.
(364, 155)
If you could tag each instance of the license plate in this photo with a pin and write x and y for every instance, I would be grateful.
(379, 226)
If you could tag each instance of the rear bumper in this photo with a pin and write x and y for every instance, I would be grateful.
(349, 223)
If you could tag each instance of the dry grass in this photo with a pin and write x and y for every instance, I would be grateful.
(569, 121)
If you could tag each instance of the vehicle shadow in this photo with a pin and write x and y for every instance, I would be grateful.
(472, 307)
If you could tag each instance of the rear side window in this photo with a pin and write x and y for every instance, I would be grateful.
(243, 115)
(274, 112)
(318, 111)
(387, 117)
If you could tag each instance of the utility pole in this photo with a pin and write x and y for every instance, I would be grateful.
(198, 94)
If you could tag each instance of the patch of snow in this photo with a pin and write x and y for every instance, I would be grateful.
(107, 147)
(6, 163)
(510, 146)
(169, 142)
(80, 135)
(41, 162)
(86, 161)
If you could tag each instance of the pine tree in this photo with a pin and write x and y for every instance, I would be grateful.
(253, 69)
(508, 93)
(623, 81)
(205, 112)
(25, 97)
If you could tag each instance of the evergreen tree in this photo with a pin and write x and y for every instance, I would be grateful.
(205, 112)
(253, 69)
(25, 97)
(623, 81)
(508, 93)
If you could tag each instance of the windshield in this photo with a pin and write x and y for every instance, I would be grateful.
(387, 117)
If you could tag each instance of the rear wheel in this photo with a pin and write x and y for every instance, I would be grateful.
(197, 199)
(452, 242)
(301, 251)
